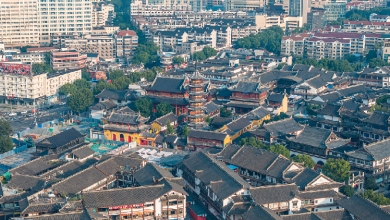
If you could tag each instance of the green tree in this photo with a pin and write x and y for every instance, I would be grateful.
(199, 56)
(121, 83)
(47, 58)
(224, 112)
(378, 198)
(163, 108)
(144, 106)
(41, 68)
(208, 120)
(5, 144)
(370, 183)
(377, 62)
(280, 66)
(68, 89)
(146, 54)
(24, 49)
(279, 149)
(101, 86)
(178, 60)
(305, 159)
(169, 127)
(85, 74)
(115, 74)
(372, 54)
(209, 52)
(186, 131)
(80, 100)
(337, 169)
(347, 190)
(82, 84)
(5, 127)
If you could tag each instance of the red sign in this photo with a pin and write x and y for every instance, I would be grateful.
(120, 207)
(15, 68)
(126, 206)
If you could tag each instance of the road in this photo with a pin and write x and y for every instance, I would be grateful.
(24, 122)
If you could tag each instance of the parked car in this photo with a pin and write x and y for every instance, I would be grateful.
(12, 114)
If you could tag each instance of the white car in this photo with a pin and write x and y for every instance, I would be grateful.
(24, 112)
(12, 114)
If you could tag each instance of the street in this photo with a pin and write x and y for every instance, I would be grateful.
(20, 124)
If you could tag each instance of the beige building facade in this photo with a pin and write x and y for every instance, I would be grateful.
(25, 89)
(31, 22)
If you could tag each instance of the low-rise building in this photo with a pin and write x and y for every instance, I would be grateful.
(22, 89)
(67, 59)
(126, 43)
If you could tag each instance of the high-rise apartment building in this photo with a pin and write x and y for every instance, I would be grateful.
(335, 9)
(103, 15)
(32, 22)
(126, 43)
(244, 5)
(19, 22)
(299, 8)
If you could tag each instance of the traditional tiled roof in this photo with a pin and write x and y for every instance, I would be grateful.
(317, 138)
(335, 214)
(249, 87)
(126, 196)
(113, 94)
(210, 107)
(168, 84)
(362, 208)
(378, 118)
(256, 211)
(42, 208)
(126, 118)
(329, 109)
(222, 180)
(257, 160)
(25, 182)
(164, 119)
(258, 113)
(274, 194)
(103, 105)
(150, 173)
(375, 151)
(112, 164)
(282, 127)
(83, 152)
(211, 135)
(316, 82)
(61, 139)
(67, 169)
(80, 181)
(32, 168)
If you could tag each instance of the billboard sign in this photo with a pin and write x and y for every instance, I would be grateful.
(12, 68)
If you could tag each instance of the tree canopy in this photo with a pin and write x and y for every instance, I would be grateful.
(68, 89)
(5, 144)
(328, 64)
(101, 86)
(378, 198)
(347, 190)
(5, 127)
(146, 54)
(337, 169)
(169, 127)
(82, 84)
(80, 100)
(279, 149)
(178, 60)
(144, 106)
(269, 39)
(370, 183)
(303, 158)
(85, 74)
(163, 108)
(224, 112)
(204, 54)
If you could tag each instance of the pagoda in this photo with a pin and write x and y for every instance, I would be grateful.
(196, 114)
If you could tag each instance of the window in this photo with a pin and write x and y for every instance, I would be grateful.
(295, 204)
